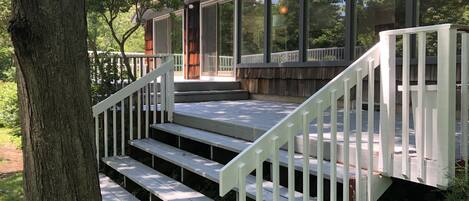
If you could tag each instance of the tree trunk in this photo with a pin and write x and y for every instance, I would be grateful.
(49, 37)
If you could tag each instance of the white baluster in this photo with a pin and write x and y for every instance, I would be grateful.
(405, 105)
(420, 128)
(275, 168)
(147, 110)
(259, 176)
(139, 114)
(131, 120)
(446, 107)
(155, 99)
(320, 156)
(241, 183)
(371, 119)
(333, 170)
(358, 136)
(387, 101)
(346, 139)
(291, 160)
(122, 127)
(305, 156)
(96, 133)
(163, 96)
(106, 148)
(114, 130)
(465, 99)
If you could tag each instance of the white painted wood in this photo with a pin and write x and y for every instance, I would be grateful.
(106, 147)
(228, 175)
(420, 110)
(122, 127)
(114, 130)
(446, 96)
(205, 167)
(291, 162)
(155, 99)
(131, 88)
(163, 97)
(465, 99)
(346, 139)
(320, 151)
(333, 181)
(371, 118)
(158, 184)
(238, 145)
(139, 114)
(405, 104)
(358, 138)
(387, 101)
(275, 168)
(241, 183)
(131, 119)
(96, 134)
(259, 176)
(147, 110)
(111, 191)
(306, 156)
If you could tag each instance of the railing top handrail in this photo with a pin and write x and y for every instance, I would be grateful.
(132, 87)
(430, 28)
(128, 54)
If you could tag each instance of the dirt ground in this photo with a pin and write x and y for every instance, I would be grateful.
(11, 159)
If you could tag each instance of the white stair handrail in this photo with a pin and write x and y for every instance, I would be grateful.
(140, 97)
(383, 54)
(294, 123)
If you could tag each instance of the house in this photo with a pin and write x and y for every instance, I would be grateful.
(264, 100)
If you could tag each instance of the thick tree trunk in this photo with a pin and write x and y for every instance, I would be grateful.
(49, 37)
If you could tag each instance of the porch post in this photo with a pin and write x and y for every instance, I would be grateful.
(446, 107)
(387, 102)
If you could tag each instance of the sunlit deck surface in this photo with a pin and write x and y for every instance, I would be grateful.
(265, 114)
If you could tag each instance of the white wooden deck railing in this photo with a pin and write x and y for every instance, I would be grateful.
(136, 101)
(266, 148)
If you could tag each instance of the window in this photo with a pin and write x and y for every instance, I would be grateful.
(217, 39)
(285, 31)
(161, 36)
(326, 30)
(252, 31)
(374, 16)
(176, 34)
(209, 39)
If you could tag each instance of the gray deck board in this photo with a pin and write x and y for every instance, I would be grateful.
(203, 167)
(238, 145)
(110, 191)
(158, 184)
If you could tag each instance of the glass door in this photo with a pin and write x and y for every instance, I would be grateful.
(209, 40)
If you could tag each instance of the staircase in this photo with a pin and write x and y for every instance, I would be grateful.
(157, 154)
(199, 91)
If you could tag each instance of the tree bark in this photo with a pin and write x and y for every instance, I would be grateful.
(49, 37)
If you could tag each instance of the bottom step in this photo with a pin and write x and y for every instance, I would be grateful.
(110, 191)
(161, 186)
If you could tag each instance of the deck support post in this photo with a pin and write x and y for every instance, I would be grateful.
(387, 102)
(446, 107)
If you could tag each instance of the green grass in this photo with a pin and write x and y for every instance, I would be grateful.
(7, 138)
(11, 187)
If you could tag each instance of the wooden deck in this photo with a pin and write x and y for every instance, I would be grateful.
(263, 115)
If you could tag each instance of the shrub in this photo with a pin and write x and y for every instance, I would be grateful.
(9, 116)
(459, 187)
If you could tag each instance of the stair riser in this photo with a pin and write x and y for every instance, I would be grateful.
(203, 86)
(187, 98)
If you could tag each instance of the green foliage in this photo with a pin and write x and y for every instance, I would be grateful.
(7, 71)
(11, 187)
(8, 105)
(459, 187)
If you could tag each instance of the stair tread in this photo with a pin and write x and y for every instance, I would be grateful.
(204, 167)
(157, 183)
(111, 191)
(238, 145)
